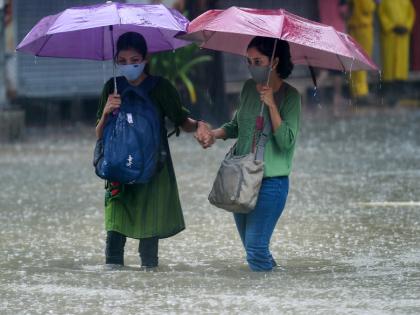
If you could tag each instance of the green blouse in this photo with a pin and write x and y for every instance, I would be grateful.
(152, 209)
(278, 154)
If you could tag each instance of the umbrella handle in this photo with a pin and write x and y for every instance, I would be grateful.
(115, 79)
(269, 73)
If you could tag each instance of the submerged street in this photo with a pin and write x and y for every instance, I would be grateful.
(348, 241)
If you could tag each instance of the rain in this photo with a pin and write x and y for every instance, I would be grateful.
(348, 241)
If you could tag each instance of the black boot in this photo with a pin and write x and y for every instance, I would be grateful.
(114, 252)
(148, 250)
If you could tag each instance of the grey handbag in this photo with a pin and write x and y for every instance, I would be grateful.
(239, 178)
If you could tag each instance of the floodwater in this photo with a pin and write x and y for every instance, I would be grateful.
(348, 241)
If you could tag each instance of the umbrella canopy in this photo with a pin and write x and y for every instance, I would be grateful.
(311, 43)
(90, 32)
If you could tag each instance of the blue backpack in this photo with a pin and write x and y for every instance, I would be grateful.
(131, 147)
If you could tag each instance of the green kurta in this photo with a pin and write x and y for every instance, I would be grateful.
(278, 154)
(152, 209)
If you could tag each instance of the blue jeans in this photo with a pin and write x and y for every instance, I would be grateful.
(255, 228)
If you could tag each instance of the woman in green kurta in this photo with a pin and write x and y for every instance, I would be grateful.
(283, 110)
(150, 211)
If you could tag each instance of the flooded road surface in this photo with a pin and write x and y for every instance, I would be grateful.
(348, 241)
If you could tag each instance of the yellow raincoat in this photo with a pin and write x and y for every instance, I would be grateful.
(360, 25)
(395, 48)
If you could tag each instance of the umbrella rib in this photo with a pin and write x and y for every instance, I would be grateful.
(43, 45)
(341, 63)
(103, 43)
(312, 71)
(163, 36)
(207, 39)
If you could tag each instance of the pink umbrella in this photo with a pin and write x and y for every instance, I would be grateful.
(311, 43)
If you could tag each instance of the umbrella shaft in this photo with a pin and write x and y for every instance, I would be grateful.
(111, 33)
(269, 73)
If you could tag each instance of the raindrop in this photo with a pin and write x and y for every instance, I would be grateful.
(351, 66)
(380, 87)
(347, 77)
(209, 96)
(316, 97)
(103, 72)
(351, 83)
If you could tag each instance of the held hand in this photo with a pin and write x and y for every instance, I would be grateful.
(113, 103)
(266, 96)
(208, 141)
(204, 135)
(202, 129)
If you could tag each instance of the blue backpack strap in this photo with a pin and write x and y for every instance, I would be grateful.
(148, 85)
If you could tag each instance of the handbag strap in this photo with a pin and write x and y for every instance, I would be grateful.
(262, 140)
(231, 151)
(265, 134)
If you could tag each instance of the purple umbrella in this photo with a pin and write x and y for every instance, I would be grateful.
(90, 32)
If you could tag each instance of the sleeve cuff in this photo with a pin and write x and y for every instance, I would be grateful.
(229, 132)
(182, 118)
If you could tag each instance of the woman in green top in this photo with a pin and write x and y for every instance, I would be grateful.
(143, 211)
(283, 106)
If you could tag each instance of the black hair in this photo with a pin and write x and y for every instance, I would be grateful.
(135, 41)
(265, 45)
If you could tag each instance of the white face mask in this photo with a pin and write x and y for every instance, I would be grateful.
(132, 72)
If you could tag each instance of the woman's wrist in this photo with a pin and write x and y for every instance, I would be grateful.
(272, 106)
(211, 132)
(197, 123)
(219, 133)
